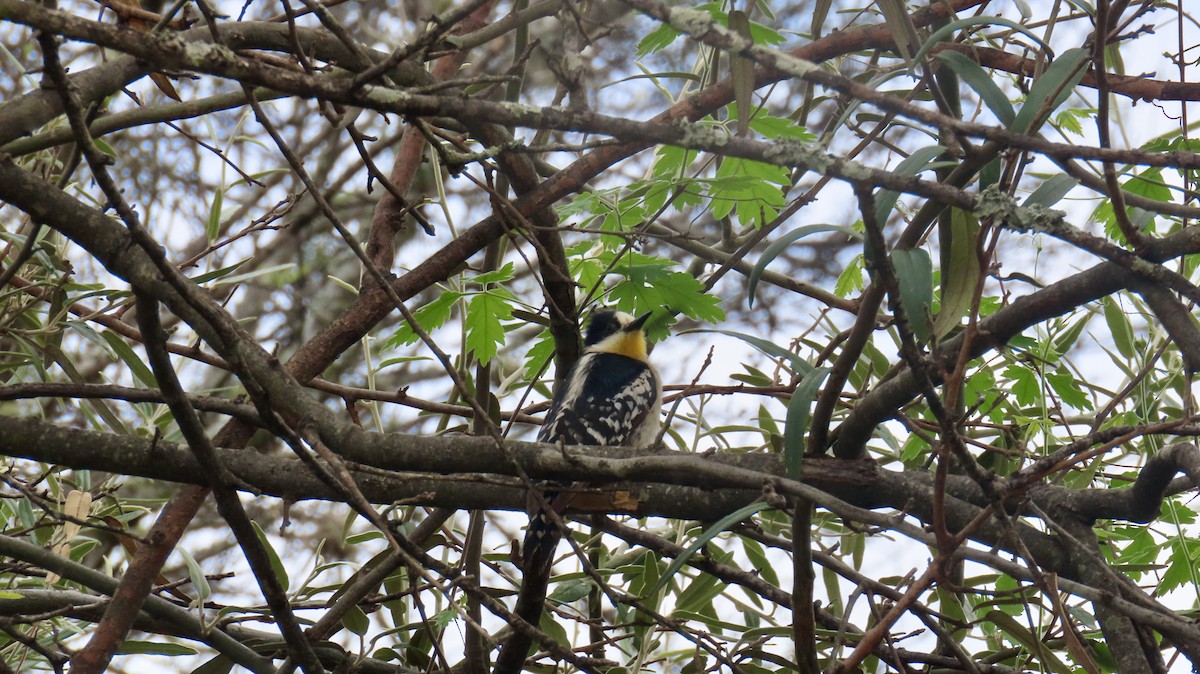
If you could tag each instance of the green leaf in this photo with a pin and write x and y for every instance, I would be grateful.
(261, 272)
(752, 376)
(904, 33)
(1068, 390)
(218, 273)
(698, 595)
(1069, 120)
(798, 364)
(588, 271)
(1051, 191)
(1023, 636)
(358, 539)
(1064, 341)
(945, 31)
(913, 164)
(1149, 184)
(990, 173)
(344, 285)
(485, 333)
(671, 162)
(572, 590)
(131, 647)
(657, 40)
(646, 575)
(1185, 554)
(950, 605)
(648, 282)
(429, 317)
(960, 272)
(200, 586)
(276, 566)
(782, 244)
(1025, 385)
(851, 278)
(753, 188)
(539, 354)
(217, 665)
(625, 216)
(555, 629)
(356, 621)
(914, 271)
(983, 84)
(500, 275)
(770, 126)
(758, 560)
(385, 654)
(1119, 327)
(1051, 89)
(212, 226)
(741, 72)
(104, 147)
(707, 535)
(137, 367)
(796, 425)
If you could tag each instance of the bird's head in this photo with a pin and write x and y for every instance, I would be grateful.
(617, 332)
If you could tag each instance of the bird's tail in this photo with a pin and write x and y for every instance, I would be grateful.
(537, 559)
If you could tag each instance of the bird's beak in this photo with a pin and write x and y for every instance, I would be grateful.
(638, 322)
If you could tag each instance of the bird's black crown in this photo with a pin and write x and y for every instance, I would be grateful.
(602, 324)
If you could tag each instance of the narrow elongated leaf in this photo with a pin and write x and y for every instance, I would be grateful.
(741, 73)
(218, 273)
(1066, 340)
(705, 536)
(912, 165)
(1050, 90)
(960, 271)
(782, 244)
(697, 597)
(201, 588)
(759, 560)
(904, 33)
(276, 564)
(137, 367)
(1119, 327)
(914, 271)
(795, 430)
(656, 40)
(258, 273)
(1023, 636)
(130, 647)
(983, 84)
(218, 665)
(212, 227)
(954, 26)
(798, 364)
(1052, 191)
(820, 13)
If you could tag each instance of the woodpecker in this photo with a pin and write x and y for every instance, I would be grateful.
(612, 395)
(610, 398)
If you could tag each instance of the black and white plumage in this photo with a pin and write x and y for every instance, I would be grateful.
(610, 398)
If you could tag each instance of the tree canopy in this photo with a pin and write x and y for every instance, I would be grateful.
(285, 290)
